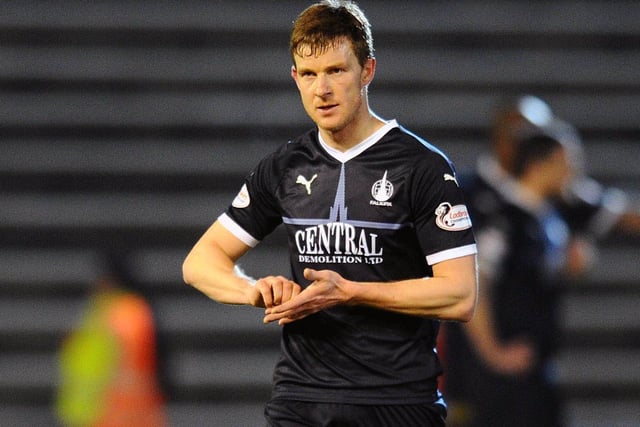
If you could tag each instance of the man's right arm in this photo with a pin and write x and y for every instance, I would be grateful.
(210, 268)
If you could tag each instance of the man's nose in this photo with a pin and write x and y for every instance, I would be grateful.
(322, 87)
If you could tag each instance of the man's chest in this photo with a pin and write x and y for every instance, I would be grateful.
(346, 192)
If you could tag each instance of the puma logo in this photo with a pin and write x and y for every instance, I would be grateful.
(448, 177)
(307, 183)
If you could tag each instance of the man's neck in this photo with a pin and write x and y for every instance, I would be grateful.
(352, 135)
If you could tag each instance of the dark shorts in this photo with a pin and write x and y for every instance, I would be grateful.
(288, 413)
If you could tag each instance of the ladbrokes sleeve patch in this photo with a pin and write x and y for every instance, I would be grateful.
(452, 218)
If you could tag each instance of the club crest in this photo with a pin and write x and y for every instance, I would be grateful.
(381, 191)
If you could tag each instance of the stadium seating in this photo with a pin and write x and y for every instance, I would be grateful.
(130, 125)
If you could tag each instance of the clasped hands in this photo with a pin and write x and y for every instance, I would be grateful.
(285, 301)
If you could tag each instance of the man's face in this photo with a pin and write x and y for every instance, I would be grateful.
(557, 171)
(332, 86)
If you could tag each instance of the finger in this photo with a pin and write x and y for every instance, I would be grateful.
(277, 291)
(283, 318)
(287, 291)
(255, 297)
(291, 316)
(291, 289)
(277, 312)
(310, 274)
(271, 317)
(281, 321)
(265, 290)
(296, 290)
(316, 275)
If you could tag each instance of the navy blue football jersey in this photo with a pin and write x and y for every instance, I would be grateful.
(385, 210)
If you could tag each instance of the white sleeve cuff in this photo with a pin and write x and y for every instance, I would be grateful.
(237, 231)
(452, 253)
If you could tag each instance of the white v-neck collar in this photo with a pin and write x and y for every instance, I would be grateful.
(345, 156)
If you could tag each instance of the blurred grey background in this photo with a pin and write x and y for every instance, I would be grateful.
(129, 125)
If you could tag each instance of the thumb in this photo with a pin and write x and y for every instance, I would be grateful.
(310, 274)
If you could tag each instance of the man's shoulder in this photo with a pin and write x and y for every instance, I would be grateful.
(306, 141)
(290, 148)
(415, 150)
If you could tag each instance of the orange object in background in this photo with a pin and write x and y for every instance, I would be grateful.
(133, 397)
(108, 364)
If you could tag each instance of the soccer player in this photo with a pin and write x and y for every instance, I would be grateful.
(380, 242)
(499, 364)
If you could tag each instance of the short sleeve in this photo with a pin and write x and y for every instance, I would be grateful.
(442, 221)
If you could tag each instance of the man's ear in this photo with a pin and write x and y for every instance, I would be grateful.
(368, 71)
(294, 74)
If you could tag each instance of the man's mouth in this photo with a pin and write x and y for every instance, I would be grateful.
(327, 107)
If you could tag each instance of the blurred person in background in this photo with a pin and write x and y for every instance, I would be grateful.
(498, 364)
(589, 210)
(108, 365)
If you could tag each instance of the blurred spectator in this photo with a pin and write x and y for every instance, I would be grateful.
(108, 362)
(527, 244)
(500, 360)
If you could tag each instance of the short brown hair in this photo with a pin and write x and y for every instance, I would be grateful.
(534, 147)
(323, 24)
